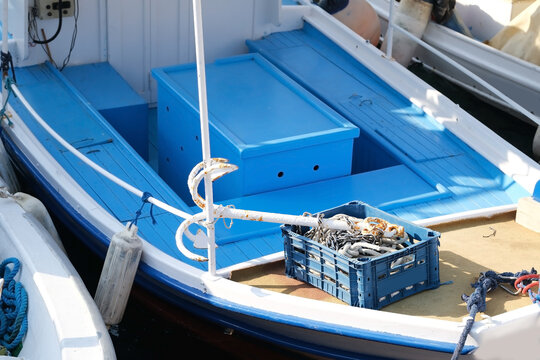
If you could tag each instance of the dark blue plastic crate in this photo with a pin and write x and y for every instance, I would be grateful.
(277, 133)
(370, 283)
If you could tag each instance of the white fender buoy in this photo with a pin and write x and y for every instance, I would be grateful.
(413, 16)
(118, 274)
(536, 144)
(36, 208)
(7, 173)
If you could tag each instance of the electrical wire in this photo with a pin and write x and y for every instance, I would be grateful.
(58, 29)
(73, 36)
(33, 33)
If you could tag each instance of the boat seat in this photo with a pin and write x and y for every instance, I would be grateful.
(386, 189)
(115, 99)
(390, 123)
(60, 104)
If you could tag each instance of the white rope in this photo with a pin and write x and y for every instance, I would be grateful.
(217, 213)
(390, 33)
(92, 164)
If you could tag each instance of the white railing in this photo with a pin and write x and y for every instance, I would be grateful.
(389, 37)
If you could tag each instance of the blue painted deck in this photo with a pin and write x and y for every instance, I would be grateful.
(389, 124)
(123, 108)
(412, 167)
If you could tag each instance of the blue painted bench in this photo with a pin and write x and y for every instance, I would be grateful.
(114, 98)
(392, 129)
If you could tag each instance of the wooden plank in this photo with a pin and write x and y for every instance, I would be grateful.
(528, 213)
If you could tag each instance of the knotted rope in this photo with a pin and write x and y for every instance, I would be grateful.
(476, 302)
(524, 284)
(146, 195)
(13, 308)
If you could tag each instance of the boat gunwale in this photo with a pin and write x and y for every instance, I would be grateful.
(207, 291)
(206, 287)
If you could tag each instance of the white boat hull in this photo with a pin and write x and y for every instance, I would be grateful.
(63, 320)
(514, 77)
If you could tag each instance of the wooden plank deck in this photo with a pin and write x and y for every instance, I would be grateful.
(467, 249)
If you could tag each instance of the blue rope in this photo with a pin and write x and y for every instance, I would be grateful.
(9, 82)
(476, 302)
(144, 198)
(13, 306)
(534, 297)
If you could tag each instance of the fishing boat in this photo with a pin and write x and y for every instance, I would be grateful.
(469, 45)
(294, 118)
(46, 309)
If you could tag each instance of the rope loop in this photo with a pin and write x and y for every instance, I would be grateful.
(13, 308)
(476, 302)
(525, 283)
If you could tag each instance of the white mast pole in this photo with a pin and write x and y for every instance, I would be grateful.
(205, 137)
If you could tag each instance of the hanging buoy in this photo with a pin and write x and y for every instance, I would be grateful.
(7, 173)
(36, 208)
(118, 274)
(413, 16)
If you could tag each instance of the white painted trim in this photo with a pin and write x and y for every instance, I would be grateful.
(64, 321)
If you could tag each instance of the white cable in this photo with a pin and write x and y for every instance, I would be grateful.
(92, 164)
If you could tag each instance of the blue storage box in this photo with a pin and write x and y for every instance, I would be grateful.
(278, 134)
(370, 283)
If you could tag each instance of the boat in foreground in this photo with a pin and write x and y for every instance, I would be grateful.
(304, 117)
(61, 320)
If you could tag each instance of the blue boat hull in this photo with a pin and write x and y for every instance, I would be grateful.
(203, 305)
